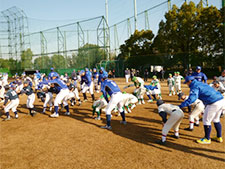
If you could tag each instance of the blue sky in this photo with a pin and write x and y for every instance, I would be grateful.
(44, 14)
(49, 13)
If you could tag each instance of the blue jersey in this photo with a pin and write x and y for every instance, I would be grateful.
(86, 79)
(52, 74)
(150, 87)
(109, 87)
(57, 81)
(203, 92)
(88, 73)
(200, 76)
(100, 76)
(95, 75)
(38, 75)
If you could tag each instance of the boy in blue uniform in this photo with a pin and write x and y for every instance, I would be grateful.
(111, 88)
(199, 76)
(214, 103)
(87, 83)
(62, 96)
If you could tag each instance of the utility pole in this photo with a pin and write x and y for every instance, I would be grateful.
(106, 12)
(223, 6)
(135, 16)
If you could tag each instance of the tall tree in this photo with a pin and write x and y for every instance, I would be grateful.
(138, 50)
(43, 62)
(26, 59)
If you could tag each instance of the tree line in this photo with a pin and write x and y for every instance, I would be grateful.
(189, 36)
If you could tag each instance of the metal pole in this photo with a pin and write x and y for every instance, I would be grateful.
(223, 6)
(135, 15)
(106, 12)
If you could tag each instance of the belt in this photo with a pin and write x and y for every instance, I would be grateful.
(174, 110)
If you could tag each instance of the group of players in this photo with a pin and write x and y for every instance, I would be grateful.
(203, 97)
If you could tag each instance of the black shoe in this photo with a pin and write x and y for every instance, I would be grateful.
(174, 136)
(161, 142)
(196, 125)
(188, 129)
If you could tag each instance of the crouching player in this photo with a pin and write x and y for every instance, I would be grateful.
(194, 115)
(214, 102)
(129, 100)
(62, 96)
(111, 88)
(46, 96)
(27, 89)
(14, 101)
(140, 90)
(98, 105)
(176, 116)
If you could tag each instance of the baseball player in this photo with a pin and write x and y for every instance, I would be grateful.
(95, 79)
(46, 96)
(170, 84)
(140, 89)
(52, 74)
(18, 83)
(177, 82)
(30, 97)
(176, 116)
(129, 100)
(37, 77)
(194, 115)
(5, 79)
(214, 103)
(218, 86)
(111, 88)
(98, 105)
(73, 92)
(222, 78)
(199, 76)
(101, 73)
(2, 92)
(156, 91)
(149, 91)
(87, 84)
(14, 101)
(62, 96)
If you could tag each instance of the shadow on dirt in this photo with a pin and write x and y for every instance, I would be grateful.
(144, 134)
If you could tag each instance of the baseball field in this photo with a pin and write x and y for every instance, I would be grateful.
(78, 142)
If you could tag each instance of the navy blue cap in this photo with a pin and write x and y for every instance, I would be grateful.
(159, 102)
(188, 78)
(199, 68)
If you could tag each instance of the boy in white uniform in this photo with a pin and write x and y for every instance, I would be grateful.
(155, 82)
(140, 89)
(14, 102)
(170, 84)
(194, 115)
(177, 80)
(176, 116)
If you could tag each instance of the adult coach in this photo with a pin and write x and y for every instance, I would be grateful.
(199, 76)
(213, 101)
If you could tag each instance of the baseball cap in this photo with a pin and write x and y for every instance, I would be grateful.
(216, 82)
(154, 77)
(52, 68)
(198, 68)
(170, 74)
(134, 79)
(81, 72)
(104, 75)
(159, 102)
(188, 78)
(180, 95)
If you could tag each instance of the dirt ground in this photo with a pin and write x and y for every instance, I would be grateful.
(78, 142)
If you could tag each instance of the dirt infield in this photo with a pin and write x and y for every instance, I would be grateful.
(78, 142)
